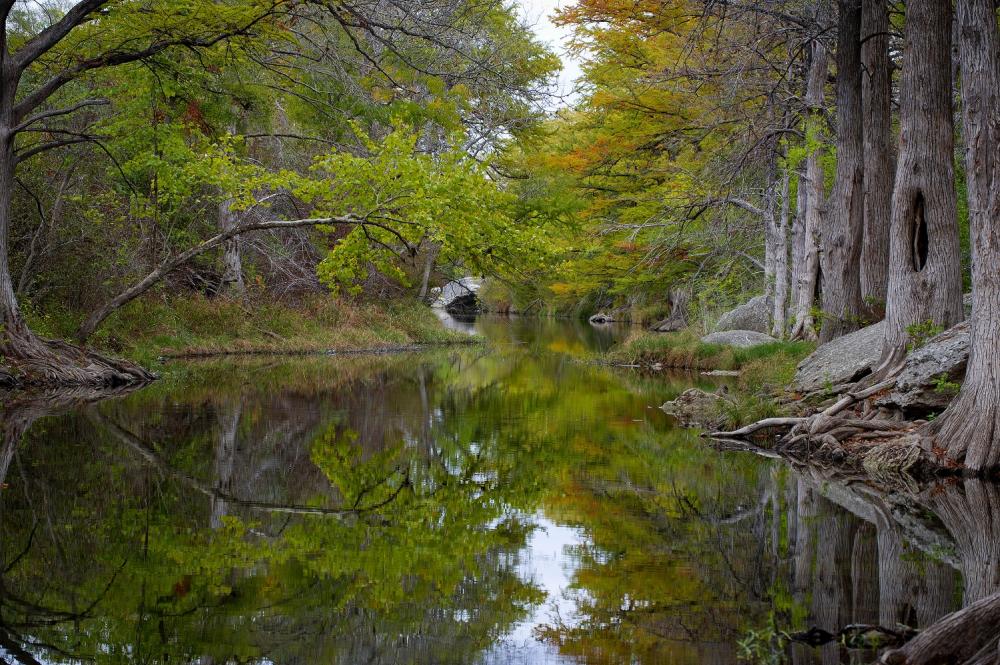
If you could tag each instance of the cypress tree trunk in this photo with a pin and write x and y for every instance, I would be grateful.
(779, 317)
(798, 243)
(232, 259)
(969, 429)
(805, 295)
(843, 223)
(876, 92)
(925, 282)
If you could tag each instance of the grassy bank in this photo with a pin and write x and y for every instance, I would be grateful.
(764, 371)
(163, 326)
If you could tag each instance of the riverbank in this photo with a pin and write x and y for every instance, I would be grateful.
(761, 375)
(188, 326)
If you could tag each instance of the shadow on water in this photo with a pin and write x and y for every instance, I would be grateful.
(496, 504)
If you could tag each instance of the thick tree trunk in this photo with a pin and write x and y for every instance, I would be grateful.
(876, 93)
(779, 317)
(969, 429)
(925, 282)
(843, 225)
(232, 260)
(680, 298)
(809, 280)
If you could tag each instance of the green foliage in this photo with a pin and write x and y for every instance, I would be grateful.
(943, 385)
(920, 333)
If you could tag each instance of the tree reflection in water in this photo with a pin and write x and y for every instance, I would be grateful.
(381, 509)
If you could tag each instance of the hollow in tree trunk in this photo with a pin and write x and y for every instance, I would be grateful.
(969, 429)
(843, 222)
(925, 281)
(876, 93)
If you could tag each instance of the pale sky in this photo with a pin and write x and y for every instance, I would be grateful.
(538, 14)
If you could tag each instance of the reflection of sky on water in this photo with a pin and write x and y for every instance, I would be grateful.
(547, 561)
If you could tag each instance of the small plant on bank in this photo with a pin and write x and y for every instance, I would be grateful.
(921, 332)
(946, 387)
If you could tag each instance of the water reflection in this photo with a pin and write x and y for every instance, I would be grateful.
(476, 505)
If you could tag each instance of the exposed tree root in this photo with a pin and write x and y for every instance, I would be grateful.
(850, 435)
(34, 362)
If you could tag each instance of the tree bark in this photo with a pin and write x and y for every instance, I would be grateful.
(925, 281)
(843, 225)
(232, 260)
(429, 259)
(969, 429)
(798, 243)
(808, 282)
(876, 94)
(779, 317)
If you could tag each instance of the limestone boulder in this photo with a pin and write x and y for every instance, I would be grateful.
(696, 408)
(930, 377)
(753, 315)
(743, 339)
(844, 360)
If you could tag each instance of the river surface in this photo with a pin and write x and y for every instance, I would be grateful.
(502, 503)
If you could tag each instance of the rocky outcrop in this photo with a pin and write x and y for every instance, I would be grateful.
(844, 360)
(696, 408)
(459, 296)
(930, 377)
(743, 339)
(753, 315)
(601, 317)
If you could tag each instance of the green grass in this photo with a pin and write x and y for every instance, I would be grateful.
(163, 326)
(686, 351)
(765, 370)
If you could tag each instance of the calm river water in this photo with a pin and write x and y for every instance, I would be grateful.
(503, 503)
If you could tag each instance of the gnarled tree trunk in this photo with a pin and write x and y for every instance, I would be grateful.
(843, 223)
(969, 429)
(876, 93)
(925, 282)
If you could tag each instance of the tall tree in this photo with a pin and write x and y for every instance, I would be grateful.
(925, 281)
(969, 429)
(844, 219)
(808, 282)
(876, 96)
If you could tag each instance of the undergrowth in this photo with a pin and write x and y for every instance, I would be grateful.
(193, 324)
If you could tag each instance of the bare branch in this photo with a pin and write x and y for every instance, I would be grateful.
(57, 112)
